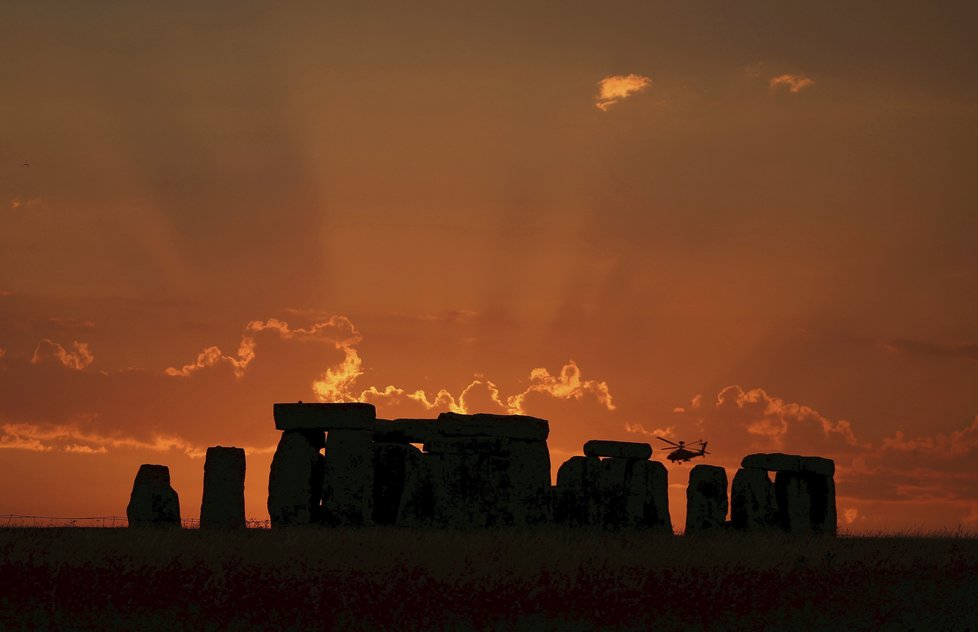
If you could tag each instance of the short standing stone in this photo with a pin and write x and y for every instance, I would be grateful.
(295, 482)
(706, 498)
(222, 505)
(348, 482)
(752, 503)
(570, 496)
(153, 502)
(618, 449)
(612, 493)
(325, 417)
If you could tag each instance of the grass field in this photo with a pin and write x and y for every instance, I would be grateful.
(121, 579)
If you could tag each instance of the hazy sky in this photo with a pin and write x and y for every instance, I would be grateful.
(752, 223)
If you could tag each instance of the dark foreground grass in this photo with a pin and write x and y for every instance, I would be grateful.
(119, 579)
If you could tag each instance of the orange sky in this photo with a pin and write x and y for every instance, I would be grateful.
(751, 224)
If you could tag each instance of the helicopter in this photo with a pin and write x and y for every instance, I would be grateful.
(684, 451)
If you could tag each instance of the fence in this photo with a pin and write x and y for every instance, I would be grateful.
(106, 522)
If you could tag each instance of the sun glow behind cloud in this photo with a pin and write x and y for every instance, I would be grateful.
(792, 83)
(616, 88)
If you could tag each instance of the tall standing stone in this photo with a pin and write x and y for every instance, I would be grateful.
(295, 482)
(570, 495)
(348, 482)
(706, 498)
(417, 505)
(390, 474)
(752, 500)
(650, 481)
(153, 503)
(222, 505)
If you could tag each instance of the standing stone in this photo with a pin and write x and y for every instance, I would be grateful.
(461, 485)
(417, 505)
(295, 482)
(570, 495)
(794, 502)
(752, 501)
(153, 503)
(823, 515)
(348, 483)
(222, 505)
(650, 481)
(804, 490)
(806, 502)
(613, 493)
(706, 498)
(390, 464)
(522, 483)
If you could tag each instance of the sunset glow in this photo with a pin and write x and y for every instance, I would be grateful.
(754, 227)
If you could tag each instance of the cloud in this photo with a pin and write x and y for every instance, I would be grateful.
(336, 330)
(77, 359)
(876, 481)
(615, 88)
(930, 348)
(792, 83)
(479, 395)
(70, 438)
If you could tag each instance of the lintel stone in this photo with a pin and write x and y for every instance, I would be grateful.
(618, 449)
(778, 462)
(329, 416)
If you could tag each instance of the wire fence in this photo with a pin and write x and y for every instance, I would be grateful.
(102, 522)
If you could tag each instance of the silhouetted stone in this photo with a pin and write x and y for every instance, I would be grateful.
(706, 499)
(486, 425)
(823, 514)
(521, 485)
(806, 502)
(153, 503)
(613, 493)
(618, 449)
(794, 502)
(778, 462)
(650, 483)
(222, 504)
(417, 506)
(348, 482)
(570, 495)
(480, 481)
(339, 416)
(752, 502)
(389, 480)
(460, 483)
(295, 482)
(466, 445)
(405, 430)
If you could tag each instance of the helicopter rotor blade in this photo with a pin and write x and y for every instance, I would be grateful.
(667, 441)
